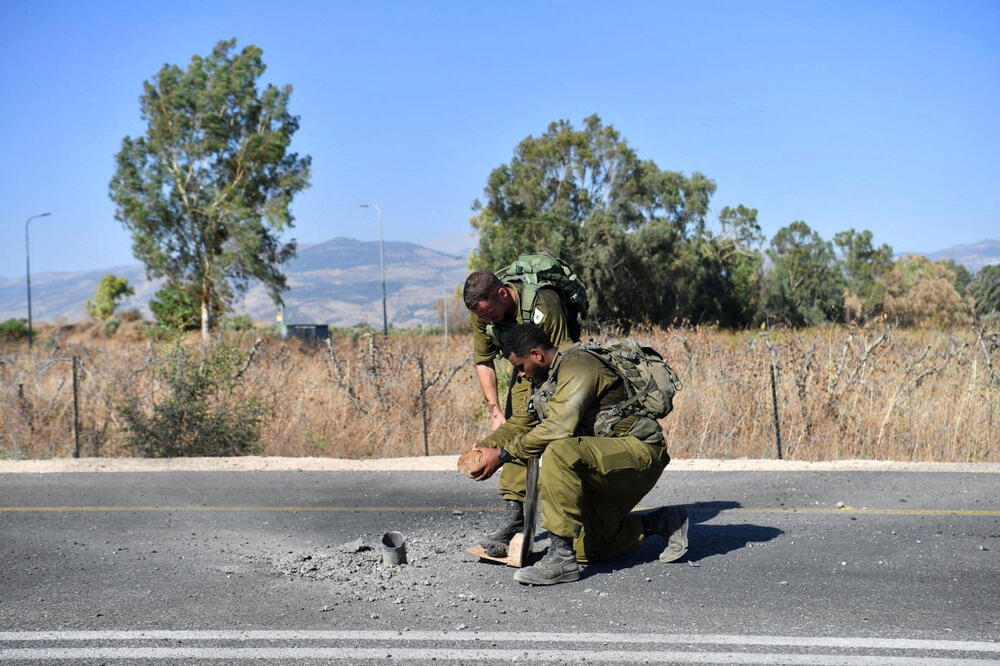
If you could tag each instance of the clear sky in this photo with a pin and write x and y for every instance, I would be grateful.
(874, 115)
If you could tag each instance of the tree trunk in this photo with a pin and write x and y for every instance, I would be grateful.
(206, 312)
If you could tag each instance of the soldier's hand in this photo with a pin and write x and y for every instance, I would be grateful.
(490, 463)
(497, 419)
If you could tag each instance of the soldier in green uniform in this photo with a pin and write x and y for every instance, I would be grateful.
(588, 485)
(496, 308)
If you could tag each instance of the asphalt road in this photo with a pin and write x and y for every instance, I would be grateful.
(284, 567)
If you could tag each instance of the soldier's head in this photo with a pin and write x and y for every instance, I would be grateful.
(530, 351)
(487, 296)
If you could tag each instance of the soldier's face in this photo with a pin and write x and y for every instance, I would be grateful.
(493, 309)
(532, 367)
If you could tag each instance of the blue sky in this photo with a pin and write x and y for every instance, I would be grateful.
(872, 115)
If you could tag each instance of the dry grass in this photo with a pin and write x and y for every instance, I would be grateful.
(841, 393)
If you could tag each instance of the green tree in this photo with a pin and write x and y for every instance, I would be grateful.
(863, 266)
(621, 222)
(176, 308)
(804, 284)
(962, 276)
(985, 290)
(206, 192)
(109, 290)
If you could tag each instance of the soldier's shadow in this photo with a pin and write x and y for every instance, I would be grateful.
(704, 540)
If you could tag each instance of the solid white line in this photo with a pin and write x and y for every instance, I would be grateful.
(465, 656)
(847, 642)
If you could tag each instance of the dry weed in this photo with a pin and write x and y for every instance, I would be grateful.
(842, 392)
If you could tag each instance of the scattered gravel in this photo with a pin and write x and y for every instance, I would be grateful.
(353, 572)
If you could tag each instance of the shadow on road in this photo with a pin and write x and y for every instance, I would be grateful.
(704, 540)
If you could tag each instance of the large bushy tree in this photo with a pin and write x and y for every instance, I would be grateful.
(922, 293)
(804, 285)
(206, 192)
(636, 234)
(863, 266)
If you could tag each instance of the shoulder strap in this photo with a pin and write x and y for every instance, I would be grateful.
(529, 295)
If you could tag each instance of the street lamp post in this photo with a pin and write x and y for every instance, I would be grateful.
(27, 265)
(381, 260)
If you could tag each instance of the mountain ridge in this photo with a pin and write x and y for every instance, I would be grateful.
(335, 282)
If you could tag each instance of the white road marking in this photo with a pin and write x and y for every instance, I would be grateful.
(505, 636)
(490, 638)
(410, 655)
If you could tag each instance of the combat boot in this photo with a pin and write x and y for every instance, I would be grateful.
(495, 543)
(558, 565)
(670, 522)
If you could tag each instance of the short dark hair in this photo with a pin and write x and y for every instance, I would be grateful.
(479, 286)
(522, 338)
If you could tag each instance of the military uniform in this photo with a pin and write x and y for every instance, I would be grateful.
(589, 485)
(549, 313)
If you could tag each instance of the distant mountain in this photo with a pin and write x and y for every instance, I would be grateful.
(973, 256)
(337, 282)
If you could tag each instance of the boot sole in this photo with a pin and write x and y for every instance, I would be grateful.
(672, 555)
(567, 577)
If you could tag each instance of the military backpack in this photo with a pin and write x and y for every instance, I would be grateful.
(535, 271)
(650, 383)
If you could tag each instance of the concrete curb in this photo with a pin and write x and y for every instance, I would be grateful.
(448, 464)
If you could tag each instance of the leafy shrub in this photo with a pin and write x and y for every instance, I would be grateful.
(13, 329)
(237, 323)
(203, 411)
(109, 327)
(132, 314)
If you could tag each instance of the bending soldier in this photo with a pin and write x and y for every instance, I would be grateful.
(588, 485)
(497, 308)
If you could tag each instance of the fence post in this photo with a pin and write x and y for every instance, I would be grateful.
(777, 422)
(423, 402)
(76, 408)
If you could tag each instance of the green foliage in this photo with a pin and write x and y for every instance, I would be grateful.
(207, 190)
(109, 290)
(634, 233)
(863, 267)
(176, 308)
(984, 288)
(237, 323)
(13, 329)
(201, 412)
(804, 286)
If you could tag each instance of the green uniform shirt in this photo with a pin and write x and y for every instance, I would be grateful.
(584, 386)
(549, 313)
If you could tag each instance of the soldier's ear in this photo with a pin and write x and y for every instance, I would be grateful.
(537, 356)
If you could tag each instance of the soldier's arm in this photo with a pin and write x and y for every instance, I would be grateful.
(487, 375)
(484, 350)
(576, 390)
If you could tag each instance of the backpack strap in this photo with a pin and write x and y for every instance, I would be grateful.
(529, 295)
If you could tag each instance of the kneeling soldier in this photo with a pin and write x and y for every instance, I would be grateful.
(588, 485)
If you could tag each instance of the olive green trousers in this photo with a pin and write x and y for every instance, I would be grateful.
(588, 487)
